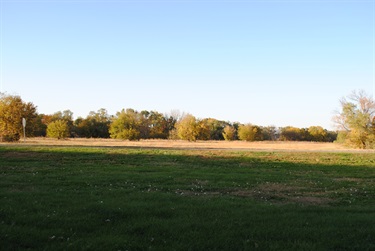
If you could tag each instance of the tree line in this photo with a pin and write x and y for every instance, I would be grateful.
(356, 122)
(129, 124)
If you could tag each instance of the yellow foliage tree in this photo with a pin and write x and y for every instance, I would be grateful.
(250, 132)
(12, 110)
(58, 129)
(229, 133)
(187, 128)
(357, 118)
(317, 133)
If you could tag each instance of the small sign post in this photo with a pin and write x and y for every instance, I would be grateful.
(24, 131)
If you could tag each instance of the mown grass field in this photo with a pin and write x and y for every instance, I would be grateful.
(123, 198)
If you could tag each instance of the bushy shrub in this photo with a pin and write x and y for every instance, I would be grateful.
(359, 139)
(317, 133)
(173, 135)
(250, 132)
(126, 125)
(129, 134)
(341, 137)
(58, 129)
(229, 133)
(187, 128)
(291, 133)
(10, 137)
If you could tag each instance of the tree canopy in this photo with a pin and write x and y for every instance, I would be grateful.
(250, 132)
(357, 119)
(12, 110)
(95, 125)
(58, 129)
(187, 128)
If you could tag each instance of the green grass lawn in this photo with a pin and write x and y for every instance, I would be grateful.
(92, 198)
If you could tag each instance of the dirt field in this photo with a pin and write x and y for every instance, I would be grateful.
(180, 144)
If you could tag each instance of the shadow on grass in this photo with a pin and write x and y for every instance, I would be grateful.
(95, 198)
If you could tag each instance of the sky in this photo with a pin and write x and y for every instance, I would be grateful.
(281, 63)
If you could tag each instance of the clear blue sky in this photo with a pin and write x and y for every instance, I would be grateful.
(262, 62)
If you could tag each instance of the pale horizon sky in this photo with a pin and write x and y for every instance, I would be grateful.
(262, 62)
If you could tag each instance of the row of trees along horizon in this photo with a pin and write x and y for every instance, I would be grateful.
(129, 124)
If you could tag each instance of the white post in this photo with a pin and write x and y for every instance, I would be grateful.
(24, 131)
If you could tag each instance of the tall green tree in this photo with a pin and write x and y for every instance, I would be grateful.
(357, 118)
(212, 129)
(40, 128)
(270, 133)
(12, 110)
(159, 125)
(95, 125)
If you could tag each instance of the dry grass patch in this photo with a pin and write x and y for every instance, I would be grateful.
(18, 155)
(180, 144)
(275, 193)
(349, 179)
(281, 193)
(308, 200)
